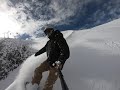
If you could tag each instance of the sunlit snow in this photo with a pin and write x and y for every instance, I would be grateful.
(93, 65)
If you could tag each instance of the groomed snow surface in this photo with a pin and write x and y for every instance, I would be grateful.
(94, 63)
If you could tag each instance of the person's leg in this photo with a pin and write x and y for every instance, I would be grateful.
(38, 72)
(31, 87)
(53, 75)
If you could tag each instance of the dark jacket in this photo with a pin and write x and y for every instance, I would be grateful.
(56, 48)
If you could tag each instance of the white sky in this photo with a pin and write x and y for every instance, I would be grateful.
(8, 23)
(10, 26)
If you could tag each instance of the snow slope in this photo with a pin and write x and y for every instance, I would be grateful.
(93, 65)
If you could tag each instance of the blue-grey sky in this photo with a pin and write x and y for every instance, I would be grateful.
(29, 16)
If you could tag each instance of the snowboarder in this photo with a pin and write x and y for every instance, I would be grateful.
(57, 53)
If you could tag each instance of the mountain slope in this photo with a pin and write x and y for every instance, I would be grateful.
(94, 63)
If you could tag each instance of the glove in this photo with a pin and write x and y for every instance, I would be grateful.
(52, 64)
(37, 53)
(58, 65)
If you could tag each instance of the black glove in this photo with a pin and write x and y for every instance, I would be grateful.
(58, 65)
(62, 61)
(52, 64)
(37, 53)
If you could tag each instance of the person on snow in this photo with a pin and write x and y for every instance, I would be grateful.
(58, 52)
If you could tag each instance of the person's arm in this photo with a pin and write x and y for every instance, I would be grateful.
(41, 51)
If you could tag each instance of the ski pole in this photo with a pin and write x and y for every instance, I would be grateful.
(63, 83)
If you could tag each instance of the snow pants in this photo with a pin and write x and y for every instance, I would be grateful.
(52, 77)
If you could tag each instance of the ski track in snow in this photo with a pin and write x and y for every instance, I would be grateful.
(94, 62)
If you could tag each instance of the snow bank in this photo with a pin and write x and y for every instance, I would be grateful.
(26, 72)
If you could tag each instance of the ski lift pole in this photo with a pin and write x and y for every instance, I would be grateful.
(62, 80)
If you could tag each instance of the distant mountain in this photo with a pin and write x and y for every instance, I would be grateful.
(69, 14)
(12, 53)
